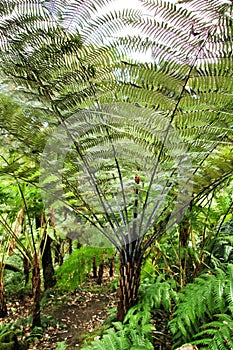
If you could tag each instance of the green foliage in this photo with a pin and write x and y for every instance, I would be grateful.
(61, 346)
(217, 334)
(9, 340)
(124, 337)
(205, 300)
(78, 265)
(160, 294)
(35, 334)
(14, 282)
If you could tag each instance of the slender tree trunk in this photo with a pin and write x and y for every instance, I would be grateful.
(184, 233)
(70, 245)
(128, 285)
(94, 267)
(36, 292)
(47, 263)
(111, 267)
(100, 273)
(45, 248)
(58, 254)
(3, 307)
(26, 269)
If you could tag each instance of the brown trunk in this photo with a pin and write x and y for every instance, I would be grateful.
(128, 286)
(36, 293)
(70, 250)
(130, 266)
(26, 269)
(47, 263)
(111, 267)
(58, 254)
(184, 233)
(3, 307)
(45, 248)
(94, 267)
(100, 273)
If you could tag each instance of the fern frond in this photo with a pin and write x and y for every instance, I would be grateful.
(217, 334)
(200, 302)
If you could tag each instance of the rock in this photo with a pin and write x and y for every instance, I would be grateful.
(187, 347)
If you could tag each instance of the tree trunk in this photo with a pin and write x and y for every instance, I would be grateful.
(100, 273)
(94, 267)
(47, 263)
(26, 270)
(36, 293)
(184, 233)
(128, 286)
(58, 254)
(3, 307)
(111, 267)
(45, 248)
(70, 250)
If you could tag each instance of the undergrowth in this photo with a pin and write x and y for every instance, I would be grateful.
(203, 314)
(74, 271)
(136, 332)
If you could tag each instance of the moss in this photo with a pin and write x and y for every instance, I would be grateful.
(8, 337)
(8, 346)
(9, 341)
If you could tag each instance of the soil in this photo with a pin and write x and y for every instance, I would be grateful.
(70, 317)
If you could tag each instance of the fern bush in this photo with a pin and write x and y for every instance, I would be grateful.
(75, 269)
(221, 248)
(202, 307)
(124, 336)
(217, 334)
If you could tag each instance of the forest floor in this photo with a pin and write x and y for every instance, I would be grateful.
(70, 317)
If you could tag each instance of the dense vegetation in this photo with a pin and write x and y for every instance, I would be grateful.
(111, 162)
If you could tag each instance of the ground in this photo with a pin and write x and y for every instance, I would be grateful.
(70, 317)
(76, 317)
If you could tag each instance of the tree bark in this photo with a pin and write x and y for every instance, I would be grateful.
(36, 293)
(94, 267)
(26, 270)
(3, 307)
(70, 250)
(47, 263)
(45, 248)
(58, 254)
(100, 273)
(111, 267)
(184, 233)
(128, 286)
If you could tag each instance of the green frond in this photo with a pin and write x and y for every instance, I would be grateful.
(217, 334)
(75, 269)
(200, 302)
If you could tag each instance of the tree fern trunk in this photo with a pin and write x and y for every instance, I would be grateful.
(47, 263)
(36, 293)
(128, 286)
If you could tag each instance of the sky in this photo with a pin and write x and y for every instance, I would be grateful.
(124, 4)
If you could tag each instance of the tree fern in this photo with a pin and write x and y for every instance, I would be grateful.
(56, 63)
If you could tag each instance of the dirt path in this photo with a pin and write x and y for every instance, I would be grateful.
(69, 317)
(79, 315)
